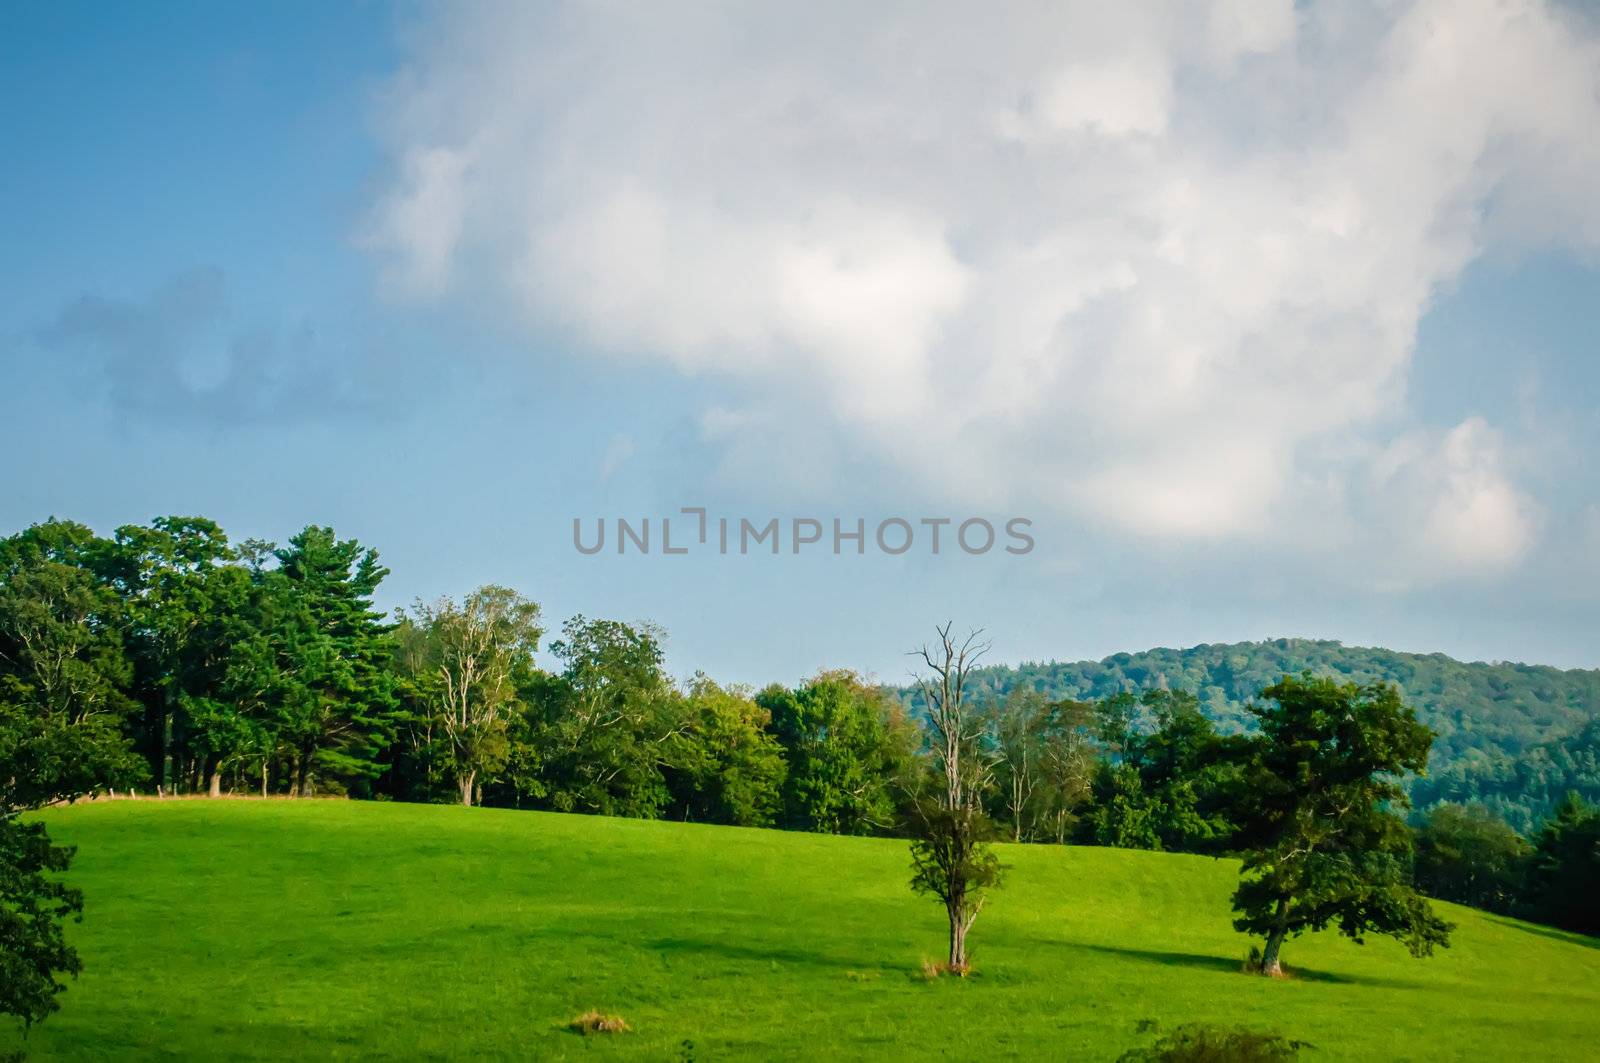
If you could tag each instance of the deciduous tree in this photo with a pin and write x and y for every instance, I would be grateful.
(724, 766)
(849, 749)
(1324, 846)
(1467, 854)
(950, 857)
(468, 661)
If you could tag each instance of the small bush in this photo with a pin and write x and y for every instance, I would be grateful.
(1202, 1043)
(595, 1022)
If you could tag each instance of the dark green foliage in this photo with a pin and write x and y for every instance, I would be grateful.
(724, 765)
(848, 747)
(599, 732)
(1564, 874)
(336, 702)
(63, 702)
(1524, 787)
(63, 670)
(1204, 1043)
(184, 599)
(951, 860)
(1467, 854)
(1322, 845)
(1477, 711)
(33, 905)
(1170, 783)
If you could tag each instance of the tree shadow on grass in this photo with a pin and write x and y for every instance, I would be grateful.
(1570, 937)
(1234, 966)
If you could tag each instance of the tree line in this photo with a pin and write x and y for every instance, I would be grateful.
(1516, 737)
(167, 658)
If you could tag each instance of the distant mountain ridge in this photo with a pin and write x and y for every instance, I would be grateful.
(1479, 710)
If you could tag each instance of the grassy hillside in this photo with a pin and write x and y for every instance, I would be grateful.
(244, 929)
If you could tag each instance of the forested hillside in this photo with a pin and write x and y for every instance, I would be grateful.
(1490, 718)
(1520, 787)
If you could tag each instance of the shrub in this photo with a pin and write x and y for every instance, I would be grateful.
(1203, 1043)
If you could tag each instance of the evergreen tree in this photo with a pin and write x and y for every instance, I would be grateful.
(1564, 876)
(336, 700)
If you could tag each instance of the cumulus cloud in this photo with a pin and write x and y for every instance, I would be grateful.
(1453, 492)
(1150, 264)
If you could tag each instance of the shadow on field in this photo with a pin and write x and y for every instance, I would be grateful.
(1232, 966)
(1545, 931)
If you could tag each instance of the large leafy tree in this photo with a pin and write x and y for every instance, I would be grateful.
(1466, 853)
(1067, 764)
(1175, 779)
(1045, 759)
(850, 751)
(63, 672)
(63, 677)
(335, 702)
(463, 661)
(725, 767)
(33, 906)
(599, 733)
(1324, 846)
(194, 618)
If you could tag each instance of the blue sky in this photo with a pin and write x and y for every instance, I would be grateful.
(1273, 321)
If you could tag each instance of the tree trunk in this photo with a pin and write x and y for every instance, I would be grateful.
(214, 786)
(1270, 965)
(958, 942)
(263, 776)
(465, 782)
(302, 781)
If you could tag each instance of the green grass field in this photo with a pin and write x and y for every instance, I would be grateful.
(247, 929)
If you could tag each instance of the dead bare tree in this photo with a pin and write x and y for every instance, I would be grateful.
(949, 857)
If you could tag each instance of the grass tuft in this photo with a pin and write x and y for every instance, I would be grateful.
(934, 969)
(597, 1022)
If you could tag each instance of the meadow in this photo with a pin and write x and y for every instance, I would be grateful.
(269, 929)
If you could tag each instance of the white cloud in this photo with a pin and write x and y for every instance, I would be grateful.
(1453, 491)
(420, 221)
(1135, 262)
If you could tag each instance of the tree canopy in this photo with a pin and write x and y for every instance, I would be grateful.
(1323, 845)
